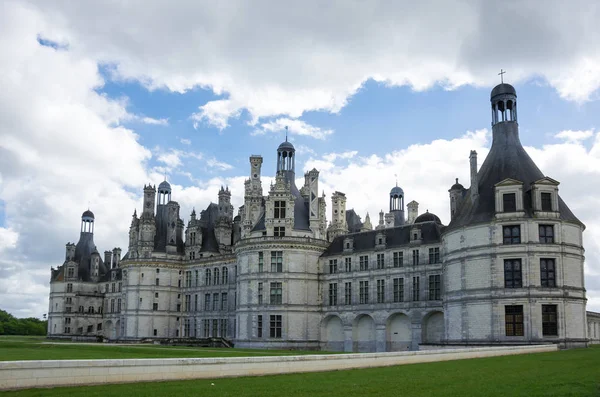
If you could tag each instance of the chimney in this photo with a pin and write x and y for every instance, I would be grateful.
(116, 257)
(108, 259)
(474, 180)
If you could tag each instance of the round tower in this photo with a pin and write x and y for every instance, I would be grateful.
(286, 157)
(87, 222)
(164, 193)
(397, 205)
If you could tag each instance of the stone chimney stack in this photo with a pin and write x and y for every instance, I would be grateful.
(474, 180)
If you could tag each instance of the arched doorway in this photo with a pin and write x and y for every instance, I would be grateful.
(433, 329)
(398, 332)
(363, 334)
(332, 330)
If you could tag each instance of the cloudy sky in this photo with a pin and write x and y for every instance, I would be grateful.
(99, 98)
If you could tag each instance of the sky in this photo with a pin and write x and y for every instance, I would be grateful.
(99, 98)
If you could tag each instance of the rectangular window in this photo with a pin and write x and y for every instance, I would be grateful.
(112, 287)
(275, 294)
(333, 293)
(509, 201)
(261, 262)
(260, 293)
(435, 287)
(513, 320)
(512, 273)
(197, 277)
(415, 257)
(216, 276)
(69, 287)
(275, 326)
(279, 231)
(380, 291)
(155, 332)
(188, 303)
(398, 259)
(511, 234)
(206, 302)
(155, 306)
(333, 266)
(546, 234)
(188, 279)
(348, 264)
(276, 261)
(279, 209)
(363, 292)
(380, 261)
(348, 293)
(196, 302)
(215, 327)
(156, 282)
(206, 328)
(215, 301)
(398, 289)
(207, 277)
(223, 330)
(179, 307)
(416, 295)
(259, 326)
(224, 301)
(363, 262)
(546, 201)
(119, 305)
(112, 305)
(548, 272)
(549, 320)
(70, 272)
(434, 255)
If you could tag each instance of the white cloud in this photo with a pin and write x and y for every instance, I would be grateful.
(295, 127)
(220, 165)
(152, 121)
(574, 136)
(185, 141)
(272, 62)
(8, 238)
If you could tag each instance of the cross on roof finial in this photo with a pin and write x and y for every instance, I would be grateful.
(286, 132)
(501, 74)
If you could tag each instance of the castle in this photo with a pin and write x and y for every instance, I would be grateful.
(507, 269)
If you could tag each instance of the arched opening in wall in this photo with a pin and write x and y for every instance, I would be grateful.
(118, 329)
(332, 331)
(433, 327)
(398, 333)
(109, 330)
(363, 334)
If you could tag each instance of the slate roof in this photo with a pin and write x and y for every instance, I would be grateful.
(353, 221)
(394, 237)
(507, 159)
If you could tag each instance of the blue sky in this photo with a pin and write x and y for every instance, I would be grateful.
(100, 99)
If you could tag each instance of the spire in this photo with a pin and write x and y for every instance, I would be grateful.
(501, 74)
(286, 132)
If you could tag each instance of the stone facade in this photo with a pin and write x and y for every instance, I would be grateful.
(507, 269)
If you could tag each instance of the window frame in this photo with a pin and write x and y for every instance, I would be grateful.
(513, 275)
(548, 272)
(514, 320)
(511, 234)
(544, 238)
(512, 203)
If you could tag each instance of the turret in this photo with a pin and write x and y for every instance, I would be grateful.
(134, 231)
(87, 222)
(253, 196)
(456, 192)
(413, 211)
(338, 226)
(95, 266)
(149, 199)
(396, 207)
(193, 237)
(69, 252)
(171, 226)
(108, 259)
(116, 258)
(367, 224)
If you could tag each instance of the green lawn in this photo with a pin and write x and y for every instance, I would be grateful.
(14, 348)
(563, 373)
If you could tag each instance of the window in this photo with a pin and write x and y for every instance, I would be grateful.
(275, 294)
(363, 262)
(546, 234)
(70, 272)
(179, 283)
(332, 266)
(415, 289)
(512, 273)
(348, 293)
(435, 287)
(118, 305)
(91, 310)
(434, 255)
(380, 291)
(106, 289)
(276, 261)
(206, 327)
(178, 307)
(207, 277)
(225, 276)
(119, 287)
(90, 328)
(188, 303)
(99, 327)
(69, 300)
(513, 320)
(196, 302)
(279, 231)
(415, 257)
(68, 309)
(333, 293)
(69, 287)
(363, 292)
(207, 302)
(546, 201)
(156, 281)
(157, 271)
(380, 261)
(215, 301)
(67, 330)
(155, 333)
(279, 210)
(549, 320)
(112, 287)
(215, 327)
(275, 326)
(197, 274)
(511, 234)
(259, 326)
(188, 279)
(348, 264)
(260, 293)
(398, 259)
(223, 330)
(155, 306)
(548, 272)
(216, 276)
(68, 320)
(224, 301)
(260, 262)
(112, 305)
(398, 289)
(509, 201)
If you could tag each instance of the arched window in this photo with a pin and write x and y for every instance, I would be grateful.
(225, 275)
(207, 277)
(91, 309)
(216, 276)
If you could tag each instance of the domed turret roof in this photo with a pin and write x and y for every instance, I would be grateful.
(457, 186)
(164, 185)
(396, 191)
(428, 217)
(286, 146)
(503, 88)
(88, 214)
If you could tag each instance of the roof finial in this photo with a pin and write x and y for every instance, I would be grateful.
(286, 132)
(501, 74)
(456, 180)
(396, 175)
(165, 176)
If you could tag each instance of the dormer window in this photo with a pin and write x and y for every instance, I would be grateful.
(546, 199)
(509, 201)
(279, 209)
(348, 244)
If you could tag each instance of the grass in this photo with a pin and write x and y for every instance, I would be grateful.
(564, 373)
(37, 348)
